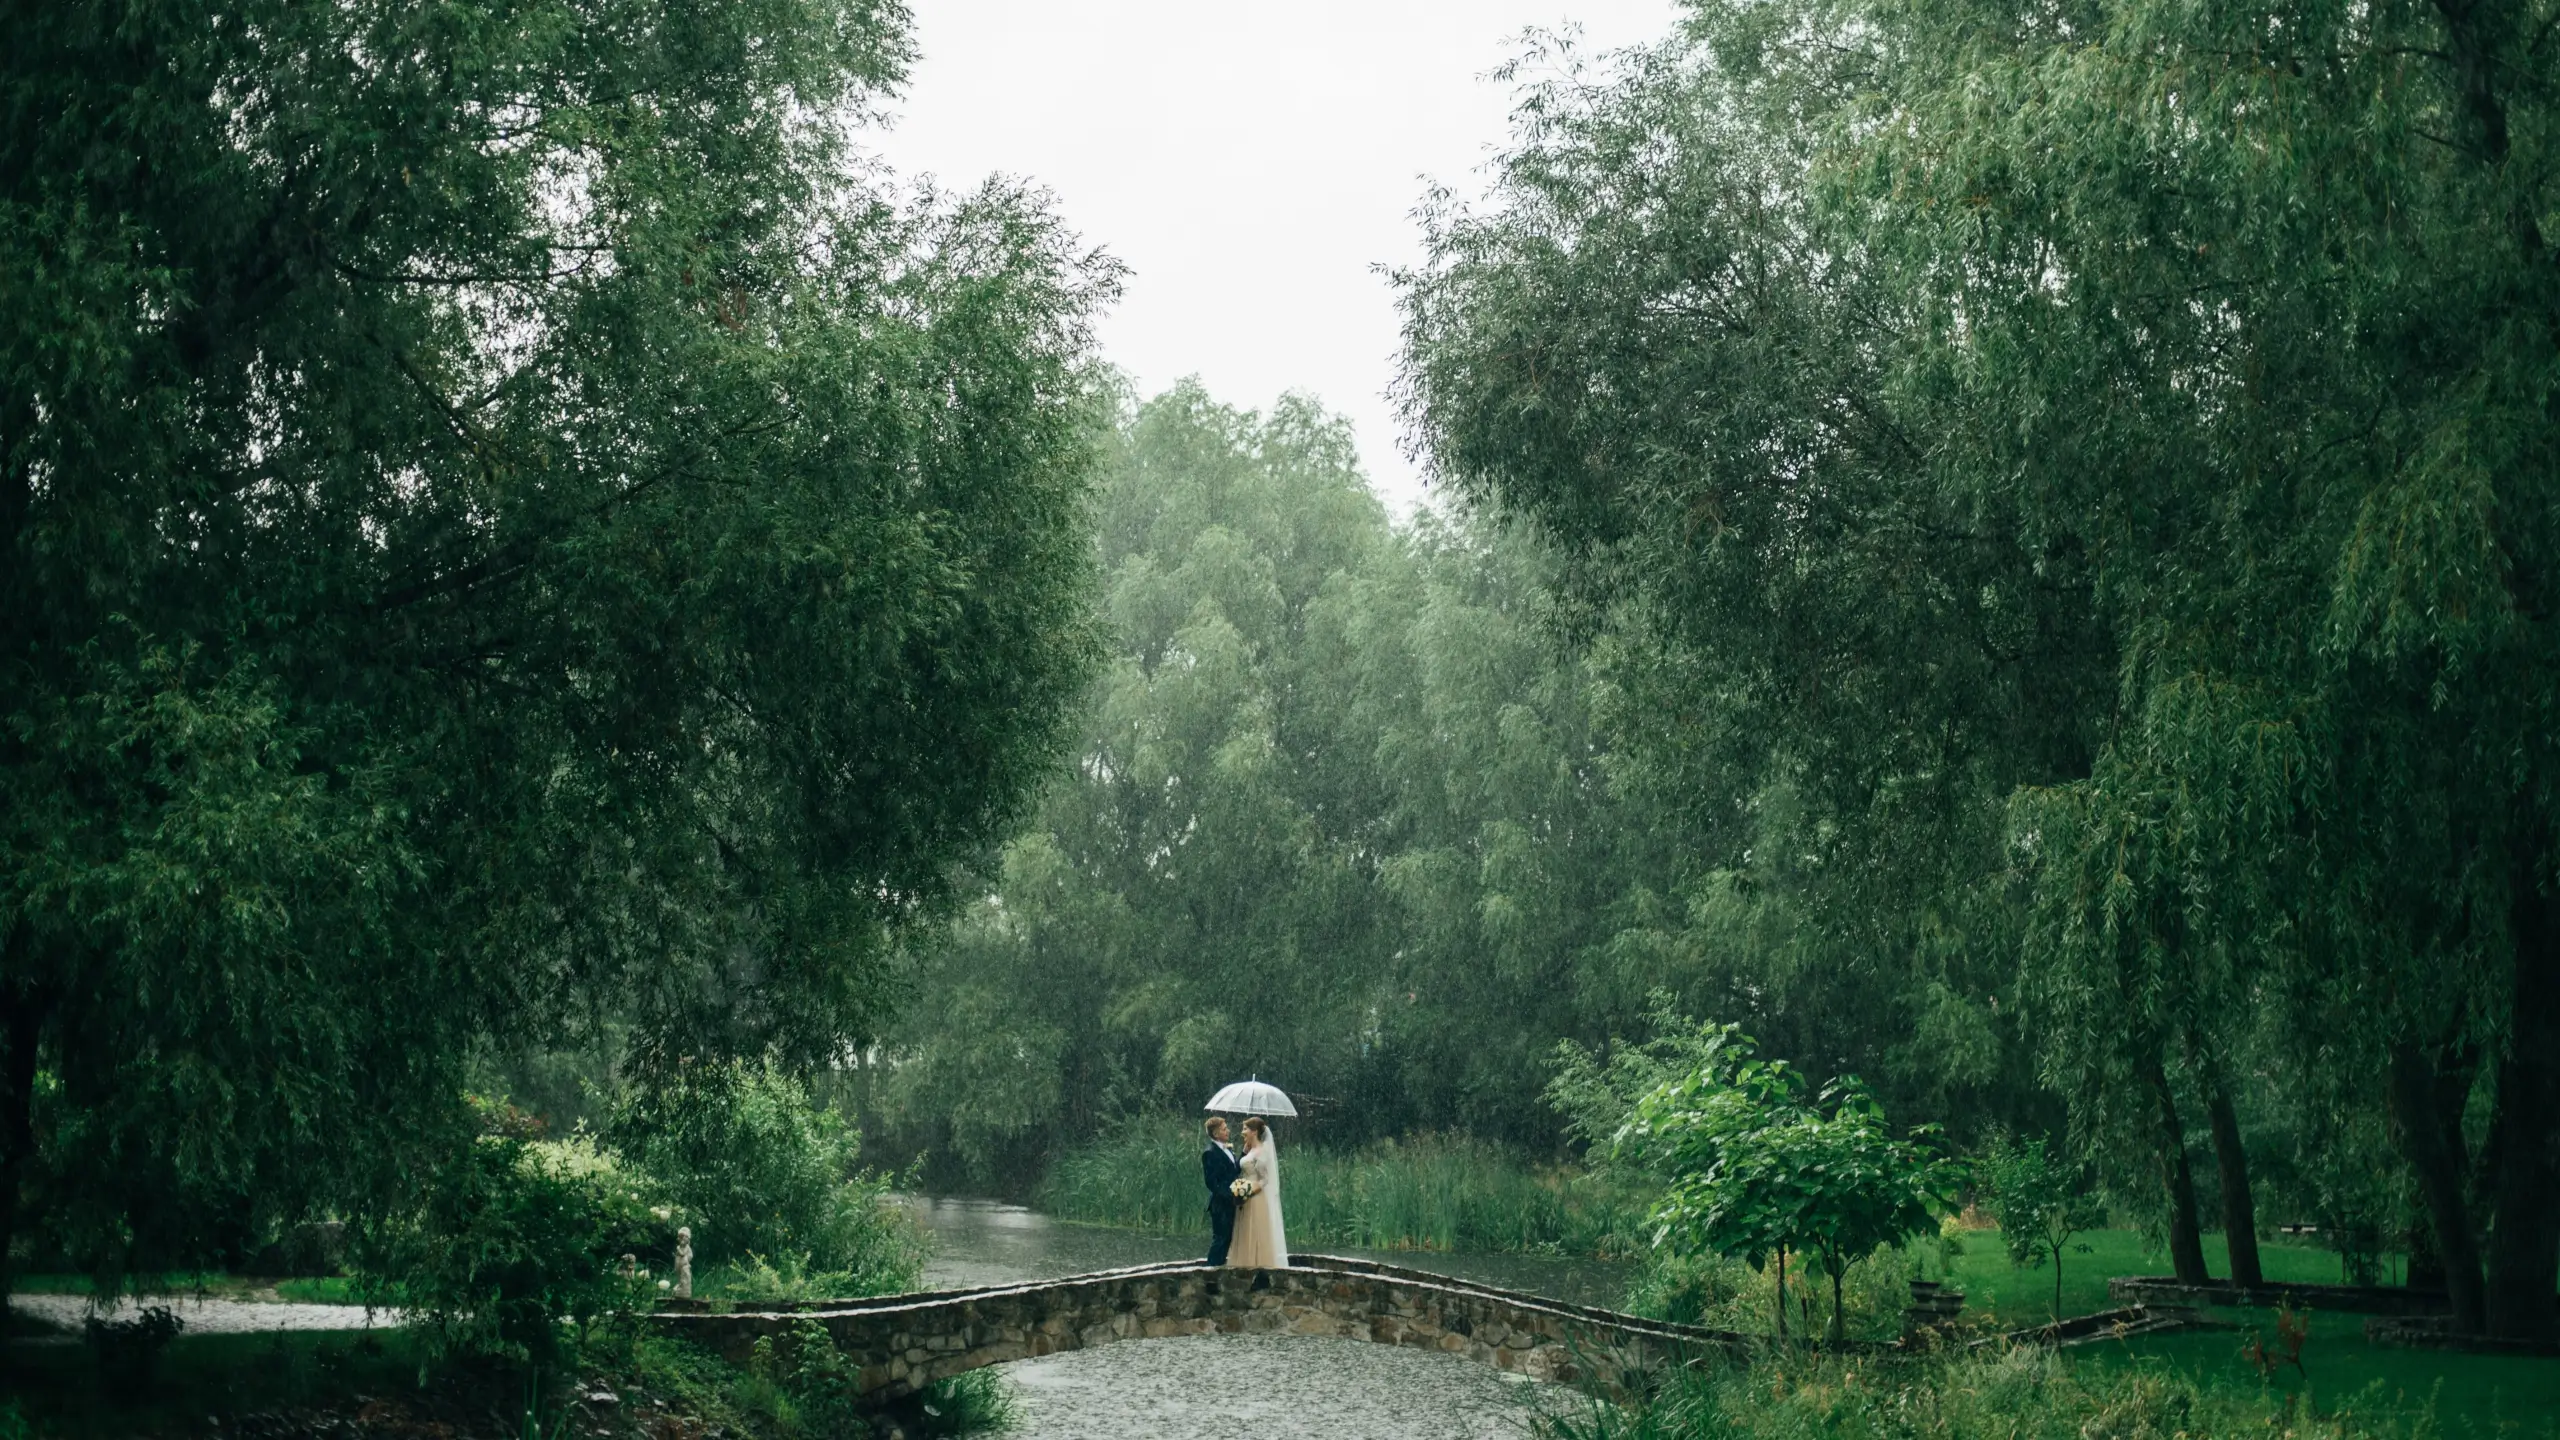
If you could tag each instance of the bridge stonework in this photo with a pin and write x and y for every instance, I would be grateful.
(900, 1344)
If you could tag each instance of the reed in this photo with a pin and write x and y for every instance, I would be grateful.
(1426, 1192)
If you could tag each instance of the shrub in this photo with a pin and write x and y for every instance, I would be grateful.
(511, 1241)
(128, 1351)
(764, 1171)
(787, 1277)
(2039, 1203)
(800, 1384)
(1757, 1172)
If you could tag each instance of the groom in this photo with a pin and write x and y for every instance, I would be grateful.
(1219, 1170)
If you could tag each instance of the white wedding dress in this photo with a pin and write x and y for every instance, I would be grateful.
(1262, 1242)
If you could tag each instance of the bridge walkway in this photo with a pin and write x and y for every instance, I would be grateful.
(902, 1343)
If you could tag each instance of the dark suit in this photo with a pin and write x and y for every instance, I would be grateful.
(1218, 1170)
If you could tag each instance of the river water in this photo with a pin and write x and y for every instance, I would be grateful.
(1272, 1387)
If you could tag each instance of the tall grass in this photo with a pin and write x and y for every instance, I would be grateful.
(1429, 1192)
(2023, 1394)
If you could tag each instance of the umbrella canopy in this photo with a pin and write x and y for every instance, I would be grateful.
(1251, 1097)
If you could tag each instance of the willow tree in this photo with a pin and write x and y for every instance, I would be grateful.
(2225, 335)
(500, 522)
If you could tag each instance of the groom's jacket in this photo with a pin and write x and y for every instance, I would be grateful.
(1219, 1169)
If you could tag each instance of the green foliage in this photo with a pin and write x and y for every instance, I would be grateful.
(1338, 817)
(1427, 1192)
(1702, 1288)
(761, 1170)
(1597, 1097)
(504, 527)
(793, 1276)
(2064, 493)
(2023, 1394)
(128, 1351)
(799, 1384)
(510, 1243)
(2039, 1201)
(1756, 1171)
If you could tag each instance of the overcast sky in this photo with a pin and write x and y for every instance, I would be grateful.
(1253, 165)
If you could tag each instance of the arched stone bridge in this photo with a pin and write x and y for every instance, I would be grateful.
(902, 1343)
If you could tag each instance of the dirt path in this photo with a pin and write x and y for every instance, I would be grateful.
(207, 1314)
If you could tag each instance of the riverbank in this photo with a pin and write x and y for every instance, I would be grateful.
(1427, 1192)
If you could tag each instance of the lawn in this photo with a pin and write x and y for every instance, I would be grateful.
(301, 1290)
(2467, 1395)
(2011, 1297)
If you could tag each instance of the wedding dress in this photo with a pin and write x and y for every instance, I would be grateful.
(1261, 1241)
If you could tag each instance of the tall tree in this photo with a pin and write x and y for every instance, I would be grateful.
(492, 516)
(2144, 410)
(1338, 815)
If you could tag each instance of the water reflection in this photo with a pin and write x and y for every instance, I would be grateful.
(987, 1242)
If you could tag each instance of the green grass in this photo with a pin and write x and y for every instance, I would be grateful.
(179, 1282)
(2034, 1394)
(2344, 1373)
(1430, 1192)
(320, 1290)
(2012, 1297)
(303, 1290)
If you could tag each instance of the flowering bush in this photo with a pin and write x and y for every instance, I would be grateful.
(515, 1240)
(764, 1171)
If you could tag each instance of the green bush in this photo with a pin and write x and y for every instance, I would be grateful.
(799, 1384)
(762, 1170)
(511, 1242)
(786, 1277)
(1722, 1293)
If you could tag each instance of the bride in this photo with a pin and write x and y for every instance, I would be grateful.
(1260, 1241)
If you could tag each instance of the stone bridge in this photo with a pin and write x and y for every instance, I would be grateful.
(903, 1343)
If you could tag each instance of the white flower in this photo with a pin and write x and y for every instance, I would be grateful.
(666, 1285)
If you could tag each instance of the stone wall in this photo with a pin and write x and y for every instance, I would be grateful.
(904, 1343)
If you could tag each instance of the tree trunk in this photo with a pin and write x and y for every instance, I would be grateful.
(2178, 1179)
(19, 1037)
(2430, 1135)
(1782, 1292)
(2523, 1150)
(1839, 1330)
(2239, 1209)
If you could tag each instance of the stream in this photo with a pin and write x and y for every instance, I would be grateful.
(1274, 1387)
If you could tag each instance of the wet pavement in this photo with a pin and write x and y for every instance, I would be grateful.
(1272, 1387)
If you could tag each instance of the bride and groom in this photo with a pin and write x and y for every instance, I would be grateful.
(1244, 1197)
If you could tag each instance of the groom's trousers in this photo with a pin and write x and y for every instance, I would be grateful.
(1222, 1232)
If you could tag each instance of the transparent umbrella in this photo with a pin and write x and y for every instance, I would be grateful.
(1251, 1097)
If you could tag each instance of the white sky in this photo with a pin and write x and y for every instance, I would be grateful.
(1251, 164)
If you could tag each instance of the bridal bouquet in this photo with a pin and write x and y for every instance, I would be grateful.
(1242, 1189)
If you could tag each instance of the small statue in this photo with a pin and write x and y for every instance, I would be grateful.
(630, 1267)
(684, 1262)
